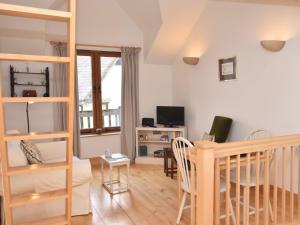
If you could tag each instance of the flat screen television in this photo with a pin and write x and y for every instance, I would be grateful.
(170, 115)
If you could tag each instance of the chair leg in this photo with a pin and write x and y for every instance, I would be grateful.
(172, 169)
(167, 167)
(181, 208)
(232, 213)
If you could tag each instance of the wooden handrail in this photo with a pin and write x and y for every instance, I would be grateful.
(248, 146)
(209, 158)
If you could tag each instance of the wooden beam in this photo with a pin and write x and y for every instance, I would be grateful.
(34, 198)
(36, 168)
(58, 220)
(34, 99)
(36, 136)
(34, 13)
(33, 58)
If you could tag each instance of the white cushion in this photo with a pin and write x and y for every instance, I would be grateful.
(52, 150)
(54, 180)
(16, 156)
(31, 152)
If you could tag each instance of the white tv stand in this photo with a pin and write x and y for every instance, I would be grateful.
(151, 137)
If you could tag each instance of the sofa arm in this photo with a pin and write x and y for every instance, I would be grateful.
(53, 150)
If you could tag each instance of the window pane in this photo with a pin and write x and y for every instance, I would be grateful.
(84, 70)
(111, 75)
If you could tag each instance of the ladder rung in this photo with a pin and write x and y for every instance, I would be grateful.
(33, 58)
(33, 12)
(36, 136)
(58, 220)
(34, 99)
(34, 198)
(36, 168)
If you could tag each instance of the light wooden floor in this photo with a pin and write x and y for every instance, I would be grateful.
(152, 200)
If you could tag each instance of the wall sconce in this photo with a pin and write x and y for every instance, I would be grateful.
(272, 45)
(191, 60)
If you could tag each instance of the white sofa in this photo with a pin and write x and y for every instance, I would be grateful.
(49, 181)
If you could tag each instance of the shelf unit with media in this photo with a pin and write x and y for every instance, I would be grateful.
(152, 139)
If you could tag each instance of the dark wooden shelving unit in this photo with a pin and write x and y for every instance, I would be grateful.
(13, 83)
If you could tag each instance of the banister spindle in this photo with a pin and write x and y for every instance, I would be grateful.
(266, 198)
(275, 185)
(257, 182)
(238, 188)
(283, 197)
(217, 192)
(247, 190)
(227, 201)
(292, 185)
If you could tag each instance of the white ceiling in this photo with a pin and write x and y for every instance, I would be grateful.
(146, 15)
(165, 24)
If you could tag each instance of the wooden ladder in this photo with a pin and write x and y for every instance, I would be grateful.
(10, 200)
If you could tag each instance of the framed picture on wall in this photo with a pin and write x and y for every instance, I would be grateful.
(227, 69)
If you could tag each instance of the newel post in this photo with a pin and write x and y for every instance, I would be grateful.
(202, 190)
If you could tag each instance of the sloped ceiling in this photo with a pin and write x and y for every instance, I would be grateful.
(165, 24)
(147, 16)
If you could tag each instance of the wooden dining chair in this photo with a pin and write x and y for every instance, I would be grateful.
(255, 135)
(181, 149)
(170, 164)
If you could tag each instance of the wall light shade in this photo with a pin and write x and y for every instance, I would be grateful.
(191, 60)
(273, 45)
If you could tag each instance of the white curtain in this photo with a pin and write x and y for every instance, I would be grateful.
(60, 89)
(130, 99)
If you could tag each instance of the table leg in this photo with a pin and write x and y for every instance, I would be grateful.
(127, 177)
(102, 172)
(110, 179)
(119, 179)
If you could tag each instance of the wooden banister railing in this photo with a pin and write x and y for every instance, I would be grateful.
(259, 177)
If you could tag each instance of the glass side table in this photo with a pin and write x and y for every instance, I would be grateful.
(115, 186)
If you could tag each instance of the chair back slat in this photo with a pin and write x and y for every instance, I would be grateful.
(181, 149)
(256, 135)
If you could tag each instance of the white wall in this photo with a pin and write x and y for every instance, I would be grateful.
(265, 93)
(100, 22)
(32, 42)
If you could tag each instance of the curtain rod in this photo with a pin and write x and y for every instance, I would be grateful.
(57, 42)
(104, 46)
(91, 45)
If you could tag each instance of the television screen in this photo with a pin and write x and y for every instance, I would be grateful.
(170, 115)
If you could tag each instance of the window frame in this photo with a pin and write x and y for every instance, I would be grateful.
(98, 127)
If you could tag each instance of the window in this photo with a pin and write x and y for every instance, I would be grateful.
(99, 84)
